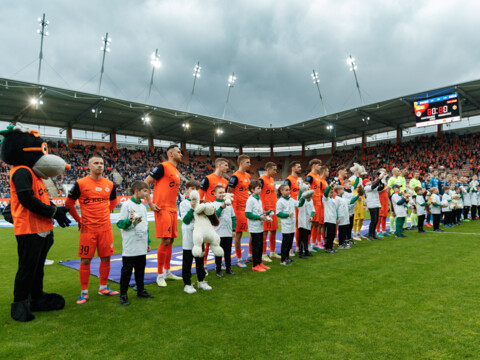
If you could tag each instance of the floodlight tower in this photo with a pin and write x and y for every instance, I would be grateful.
(231, 83)
(155, 65)
(43, 24)
(105, 42)
(316, 81)
(353, 67)
(196, 74)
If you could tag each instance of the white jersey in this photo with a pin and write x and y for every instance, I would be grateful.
(421, 210)
(187, 229)
(342, 210)
(372, 197)
(446, 199)
(330, 210)
(305, 212)
(224, 228)
(467, 199)
(254, 206)
(435, 200)
(287, 206)
(134, 238)
(399, 209)
(351, 207)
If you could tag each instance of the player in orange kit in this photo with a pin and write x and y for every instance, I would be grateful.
(97, 197)
(292, 182)
(208, 185)
(166, 179)
(313, 178)
(319, 242)
(268, 197)
(238, 185)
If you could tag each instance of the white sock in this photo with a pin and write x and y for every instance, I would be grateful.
(103, 287)
(85, 292)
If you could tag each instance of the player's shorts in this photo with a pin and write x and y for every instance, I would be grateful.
(319, 214)
(102, 241)
(165, 224)
(271, 225)
(383, 211)
(242, 223)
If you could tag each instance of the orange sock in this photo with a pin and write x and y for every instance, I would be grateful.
(379, 224)
(250, 247)
(104, 271)
(296, 238)
(313, 235)
(264, 244)
(273, 241)
(384, 224)
(207, 247)
(238, 252)
(161, 251)
(168, 257)
(84, 276)
(319, 237)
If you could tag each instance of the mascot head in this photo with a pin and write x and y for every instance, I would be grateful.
(22, 146)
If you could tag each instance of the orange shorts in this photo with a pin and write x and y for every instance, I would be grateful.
(383, 211)
(102, 241)
(166, 224)
(271, 225)
(242, 224)
(319, 214)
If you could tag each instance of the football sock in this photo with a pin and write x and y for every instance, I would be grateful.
(250, 247)
(161, 258)
(273, 242)
(168, 257)
(207, 247)
(392, 224)
(238, 253)
(264, 244)
(414, 219)
(84, 276)
(104, 271)
(313, 236)
(297, 238)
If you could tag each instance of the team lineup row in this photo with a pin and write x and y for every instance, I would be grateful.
(334, 207)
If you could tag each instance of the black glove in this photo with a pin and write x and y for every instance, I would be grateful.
(61, 216)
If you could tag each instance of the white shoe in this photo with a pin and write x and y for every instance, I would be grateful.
(274, 255)
(189, 289)
(224, 267)
(204, 286)
(161, 280)
(292, 253)
(170, 276)
(49, 262)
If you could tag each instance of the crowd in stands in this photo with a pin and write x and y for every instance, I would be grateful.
(458, 154)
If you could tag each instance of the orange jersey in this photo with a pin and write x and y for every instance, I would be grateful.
(268, 196)
(314, 181)
(323, 186)
(94, 197)
(209, 183)
(239, 183)
(25, 221)
(292, 182)
(167, 183)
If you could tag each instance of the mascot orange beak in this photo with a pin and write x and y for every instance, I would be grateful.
(68, 167)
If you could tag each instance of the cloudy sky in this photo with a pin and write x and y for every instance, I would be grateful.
(400, 47)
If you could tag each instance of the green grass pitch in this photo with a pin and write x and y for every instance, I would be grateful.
(413, 298)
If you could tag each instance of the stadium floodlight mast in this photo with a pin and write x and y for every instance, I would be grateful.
(316, 81)
(43, 24)
(196, 74)
(353, 68)
(155, 65)
(231, 83)
(106, 41)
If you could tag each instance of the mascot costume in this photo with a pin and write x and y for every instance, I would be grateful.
(203, 231)
(32, 214)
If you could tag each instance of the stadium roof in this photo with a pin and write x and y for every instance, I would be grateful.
(68, 108)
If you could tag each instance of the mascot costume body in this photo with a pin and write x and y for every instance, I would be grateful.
(32, 214)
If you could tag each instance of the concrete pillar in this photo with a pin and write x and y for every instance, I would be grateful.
(184, 150)
(150, 144)
(212, 152)
(271, 151)
(303, 150)
(69, 137)
(399, 135)
(333, 147)
(439, 130)
(240, 149)
(113, 140)
(364, 142)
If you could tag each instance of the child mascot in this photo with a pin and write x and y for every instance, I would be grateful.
(32, 214)
(203, 231)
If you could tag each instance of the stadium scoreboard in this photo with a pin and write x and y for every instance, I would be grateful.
(438, 110)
